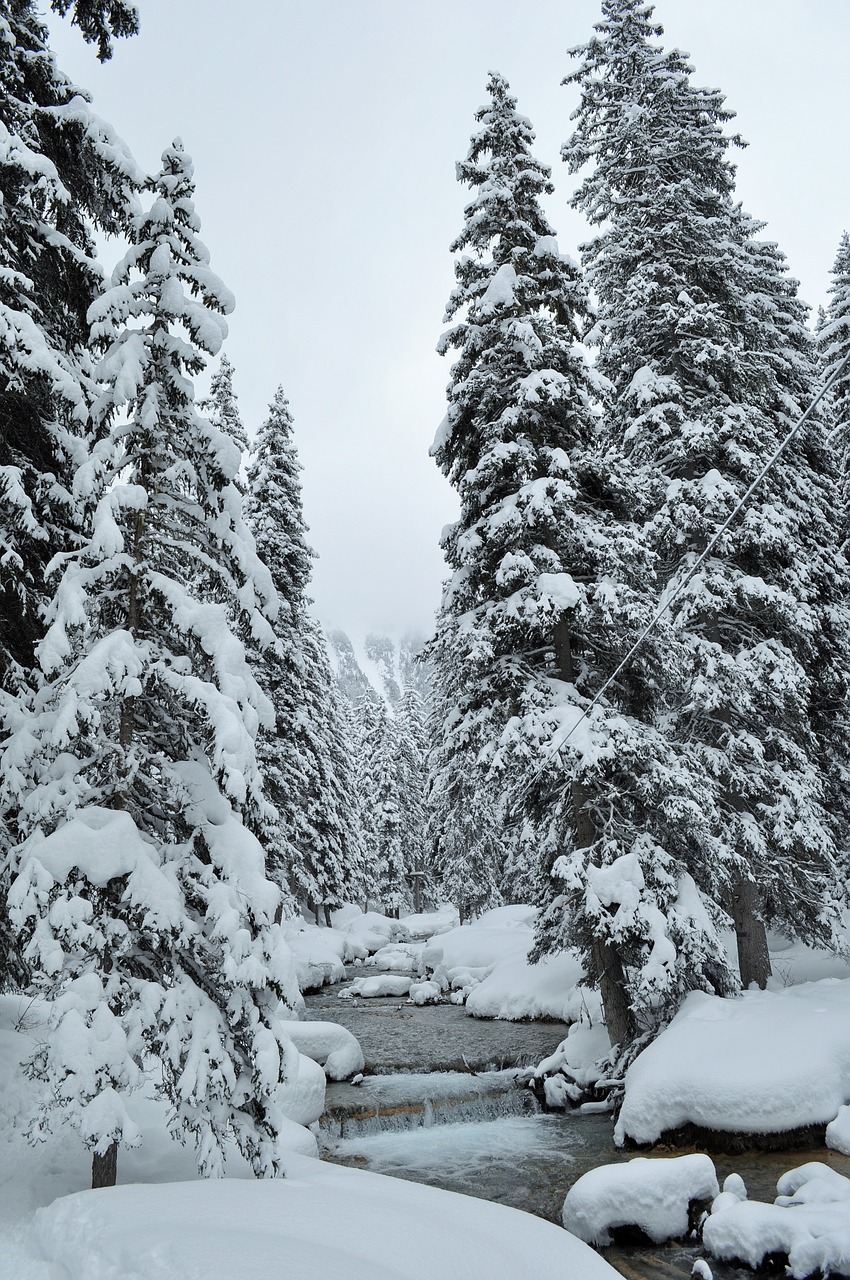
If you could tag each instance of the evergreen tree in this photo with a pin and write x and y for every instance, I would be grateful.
(63, 175)
(413, 781)
(833, 347)
(549, 589)
(702, 338)
(140, 894)
(313, 848)
(220, 406)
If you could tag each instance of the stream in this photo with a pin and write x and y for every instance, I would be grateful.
(440, 1104)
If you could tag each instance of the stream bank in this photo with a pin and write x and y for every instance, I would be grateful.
(418, 1116)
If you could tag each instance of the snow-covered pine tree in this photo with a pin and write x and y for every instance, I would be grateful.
(313, 847)
(62, 175)
(220, 406)
(141, 895)
(702, 339)
(549, 588)
(100, 20)
(833, 348)
(413, 785)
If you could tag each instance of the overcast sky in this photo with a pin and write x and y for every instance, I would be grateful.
(325, 135)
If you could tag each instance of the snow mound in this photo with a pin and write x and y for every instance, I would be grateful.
(838, 1132)
(385, 984)
(423, 926)
(809, 1222)
(330, 1044)
(317, 954)
(515, 989)
(654, 1195)
(302, 1096)
(318, 1221)
(763, 1062)
(404, 957)
(368, 932)
(425, 993)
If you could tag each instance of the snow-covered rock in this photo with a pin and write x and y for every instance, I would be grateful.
(384, 984)
(764, 1062)
(302, 1097)
(653, 1195)
(368, 932)
(425, 993)
(426, 924)
(515, 989)
(317, 954)
(401, 957)
(838, 1132)
(328, 1043)
(809, 1222)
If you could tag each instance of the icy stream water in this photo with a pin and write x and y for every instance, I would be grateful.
(417, 1116)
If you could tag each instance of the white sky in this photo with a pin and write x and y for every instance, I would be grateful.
(325, 134)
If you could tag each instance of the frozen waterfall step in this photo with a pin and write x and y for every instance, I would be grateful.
(418, 1099)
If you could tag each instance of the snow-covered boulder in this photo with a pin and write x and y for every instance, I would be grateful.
(383, 984)
(401, 957)
(654, 1195)
(302, 1097)
(425, 993)
(426, 924)
(838, 1132)
(515, 989)
(368, 932)
(330, 1044)
(809, 1223)
(317, 954)
(763, 1062)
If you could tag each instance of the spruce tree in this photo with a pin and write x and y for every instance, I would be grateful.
(549, 588)
(221, 408)
(63, 175)
(140, 894)
(313, 848)
(833, 348)
(702, 338)
(412, 773)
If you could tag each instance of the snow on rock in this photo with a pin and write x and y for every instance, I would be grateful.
(425, 993)
(318, 1221)
(573, 1066)
(426, 924)
(385, 984)
(551, 988)
(317, 954)
(404, 957)
(368, 932)
(809, 1222)
(763, 1062)
(302, 1096)
(838, 1132)
(501, 934)
(329, 1044)
(654, 1195)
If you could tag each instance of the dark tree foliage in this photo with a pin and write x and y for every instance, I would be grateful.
(100, 20)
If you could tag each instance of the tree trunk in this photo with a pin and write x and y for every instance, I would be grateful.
(104, 1169)
(604, 957)
(327, 916)
(750, 934)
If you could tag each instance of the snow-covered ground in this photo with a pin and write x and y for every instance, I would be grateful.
(161, 1221)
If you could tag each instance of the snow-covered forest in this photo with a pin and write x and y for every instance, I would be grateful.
(609, 792)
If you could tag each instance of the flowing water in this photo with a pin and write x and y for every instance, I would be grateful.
(481, 1132)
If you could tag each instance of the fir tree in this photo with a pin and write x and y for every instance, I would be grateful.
(220, 406)
(549, 588)
(63, 175)
(140, 893)
(313, 845)
(833, 347)
(412, 772)
(703, 340)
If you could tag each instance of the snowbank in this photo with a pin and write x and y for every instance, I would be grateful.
(330, 1044)
(552, 989)
(318, 1221)
(651, 1194)
(423, 926)
(317, 954)
(401, 957)
(368, 932)
(765, 1062)
(809, 1222)
(384, 984)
